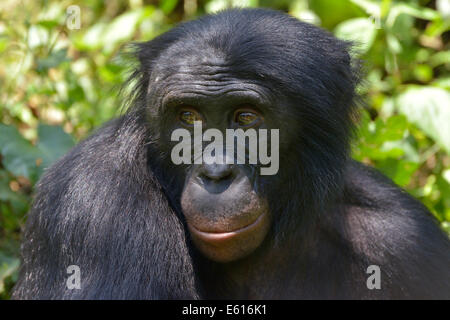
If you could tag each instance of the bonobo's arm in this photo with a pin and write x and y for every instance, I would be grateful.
(389, 228)
(100, 209)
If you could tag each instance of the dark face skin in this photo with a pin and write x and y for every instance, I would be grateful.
(226, 216)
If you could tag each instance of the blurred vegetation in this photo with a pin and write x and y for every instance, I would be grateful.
(58, 83)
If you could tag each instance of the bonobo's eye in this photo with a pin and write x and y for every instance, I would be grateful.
(247, 118)
(187, 116)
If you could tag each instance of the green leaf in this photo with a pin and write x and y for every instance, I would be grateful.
(439, 58)
(53, 60)
(121, 28)
(443, 82)
(92, 39)
(53, 143)
(423, 72)
(8, 266)
(361, 31)
(400, 172)
(341, 10)
(446, 226)
(112, 73)
(19, 155)
(5, 191)
(167, 6)
(217, 5)
(429, 109)
(37, 36)
(443, 6)
(411, 10)
(48, 24)
(371, 7)
(393, 43)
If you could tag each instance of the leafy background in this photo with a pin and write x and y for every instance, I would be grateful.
(58, 83)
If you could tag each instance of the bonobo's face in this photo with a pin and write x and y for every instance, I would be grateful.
(226, 215)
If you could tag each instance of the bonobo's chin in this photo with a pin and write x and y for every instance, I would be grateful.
(228, 225)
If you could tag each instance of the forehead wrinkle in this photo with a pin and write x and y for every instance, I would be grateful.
(206, 78)
(204, 70)
(245, 91)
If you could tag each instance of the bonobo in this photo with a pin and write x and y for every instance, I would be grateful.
(140, 224)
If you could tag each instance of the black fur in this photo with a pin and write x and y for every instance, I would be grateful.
(111, 207)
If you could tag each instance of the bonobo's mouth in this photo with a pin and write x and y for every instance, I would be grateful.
(225, 225)
(218, 236)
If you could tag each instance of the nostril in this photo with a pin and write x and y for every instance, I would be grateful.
(214, 182)
(217, 172)
(217, 177)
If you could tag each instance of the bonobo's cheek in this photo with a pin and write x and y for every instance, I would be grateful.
(225, 225)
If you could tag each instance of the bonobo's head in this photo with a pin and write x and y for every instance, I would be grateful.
(246, 69)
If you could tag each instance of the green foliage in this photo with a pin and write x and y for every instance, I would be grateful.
(58, 83)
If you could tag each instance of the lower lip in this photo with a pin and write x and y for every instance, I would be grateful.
(213, 237)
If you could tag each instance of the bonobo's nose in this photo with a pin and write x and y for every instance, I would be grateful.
(216, 178)
(217, 171)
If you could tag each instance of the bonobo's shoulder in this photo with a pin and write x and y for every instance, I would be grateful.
(117, 138)
(116, 148)
(383, 220)
(368, 188)
(119, 130)
(371, 194)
